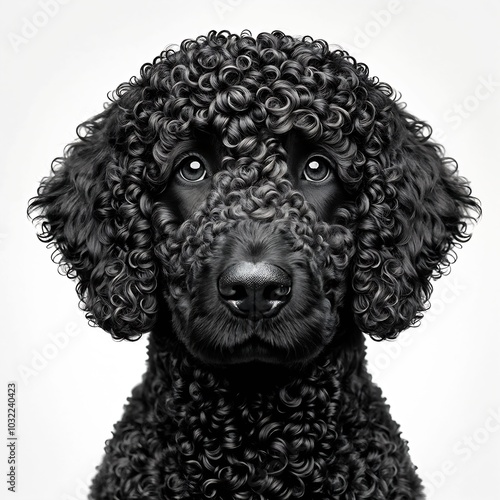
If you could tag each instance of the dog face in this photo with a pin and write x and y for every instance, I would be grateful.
(266, 191)
(252, 255)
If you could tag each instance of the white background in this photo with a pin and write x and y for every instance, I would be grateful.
(59, 62)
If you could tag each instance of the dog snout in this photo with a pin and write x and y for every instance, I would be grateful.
(255, 290)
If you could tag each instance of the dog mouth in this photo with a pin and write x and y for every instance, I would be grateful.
(287, 339)
(253, 350)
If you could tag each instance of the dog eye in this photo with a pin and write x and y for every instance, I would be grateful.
(317, 169)
(191, 169)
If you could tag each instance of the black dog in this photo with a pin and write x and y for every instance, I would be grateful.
(257, 205)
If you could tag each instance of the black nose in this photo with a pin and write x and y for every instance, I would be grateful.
(255, 290)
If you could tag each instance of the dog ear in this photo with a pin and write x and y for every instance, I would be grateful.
(413, 211)
(95, 212)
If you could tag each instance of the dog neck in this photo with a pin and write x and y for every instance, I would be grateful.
(257, 428)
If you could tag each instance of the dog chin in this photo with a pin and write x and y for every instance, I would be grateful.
(251, 353)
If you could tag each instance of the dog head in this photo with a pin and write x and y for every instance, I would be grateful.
(265, 190)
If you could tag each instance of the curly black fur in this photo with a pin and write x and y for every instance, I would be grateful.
(362, 249)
